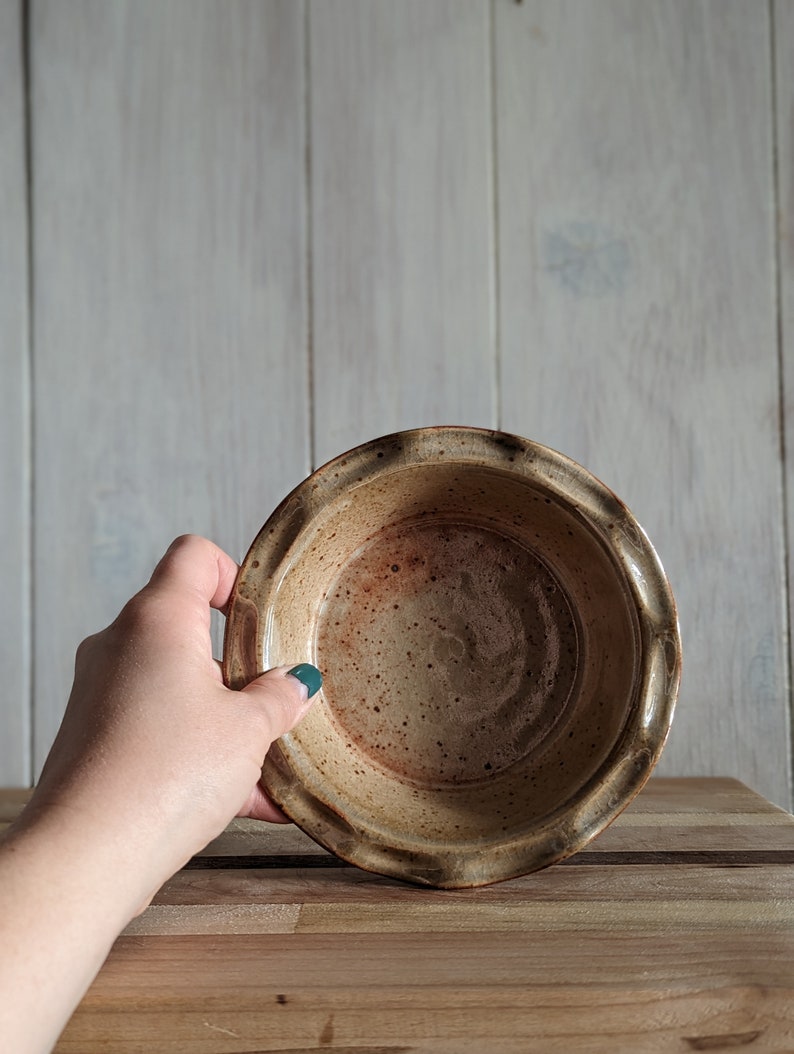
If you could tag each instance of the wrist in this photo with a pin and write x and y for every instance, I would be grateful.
(125, 844)
(69, 863)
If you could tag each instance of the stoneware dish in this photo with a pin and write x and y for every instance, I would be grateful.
(499, 645)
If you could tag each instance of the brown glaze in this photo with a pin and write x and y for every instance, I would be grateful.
(499, 645)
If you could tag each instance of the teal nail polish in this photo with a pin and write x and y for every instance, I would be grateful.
(308, 675)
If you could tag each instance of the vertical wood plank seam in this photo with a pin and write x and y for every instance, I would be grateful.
(28, 453)
(778, 293)
(309, 232)
(496, 333)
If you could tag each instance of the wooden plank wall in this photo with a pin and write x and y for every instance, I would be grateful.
(402, 260)
(783, 40)
(15, 708)
(639, 334)
(267, 230)
(171, 357)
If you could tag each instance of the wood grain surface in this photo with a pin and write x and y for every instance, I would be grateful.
(266, 231)
(639, 943)
(15, 453)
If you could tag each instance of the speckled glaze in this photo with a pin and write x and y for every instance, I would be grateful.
(499, 645)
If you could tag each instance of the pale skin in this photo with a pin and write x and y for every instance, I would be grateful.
(154, 757)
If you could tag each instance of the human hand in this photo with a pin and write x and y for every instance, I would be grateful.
(152, 744)
(153, 758)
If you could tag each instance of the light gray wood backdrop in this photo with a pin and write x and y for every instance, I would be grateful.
(262, 231)
(15, 410)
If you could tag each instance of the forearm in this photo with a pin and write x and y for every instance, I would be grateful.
(62, 904)
(153, 758)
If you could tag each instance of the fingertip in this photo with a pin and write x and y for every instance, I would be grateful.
(309, 676)
(260, 806)
(192, 561)
(288, 695)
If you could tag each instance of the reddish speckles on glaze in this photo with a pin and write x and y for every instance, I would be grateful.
(446, 636)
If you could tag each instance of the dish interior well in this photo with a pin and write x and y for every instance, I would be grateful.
(478, 643)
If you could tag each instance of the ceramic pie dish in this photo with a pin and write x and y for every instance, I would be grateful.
(499, 646)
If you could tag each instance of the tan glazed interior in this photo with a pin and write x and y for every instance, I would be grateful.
(499, 649)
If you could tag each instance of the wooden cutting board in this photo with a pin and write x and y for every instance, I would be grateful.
(673, 931)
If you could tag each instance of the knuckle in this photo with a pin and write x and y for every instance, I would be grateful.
(138, 614)
(85, 648)
(182, 541)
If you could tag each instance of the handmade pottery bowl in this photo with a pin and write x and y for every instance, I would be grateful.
(499, 645)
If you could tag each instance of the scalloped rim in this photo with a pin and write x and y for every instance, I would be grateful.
(634, 754)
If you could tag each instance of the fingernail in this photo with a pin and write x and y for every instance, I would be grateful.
(308, 675)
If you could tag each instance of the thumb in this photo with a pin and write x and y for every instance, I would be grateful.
(285, 694)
